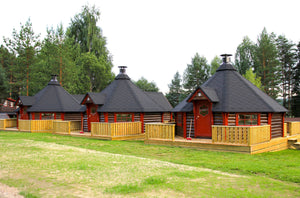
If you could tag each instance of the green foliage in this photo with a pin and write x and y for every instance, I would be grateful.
(196, 73)
(267, 64)
(251, 76)
(296, 88)
(24, 45)
(143, 84)
(287, 57)
(215, 64)
(3, 84)
(245, 55)
(78, 56)
(176, 93)
(95, 56)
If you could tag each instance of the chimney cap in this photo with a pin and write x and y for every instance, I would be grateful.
(226, 58)
(122, 69)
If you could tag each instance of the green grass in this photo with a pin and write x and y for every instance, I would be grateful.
(46, 165)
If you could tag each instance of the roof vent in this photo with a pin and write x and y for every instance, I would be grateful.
(122, 69)
(226, 58)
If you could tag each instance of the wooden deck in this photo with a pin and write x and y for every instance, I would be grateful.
(276, 144)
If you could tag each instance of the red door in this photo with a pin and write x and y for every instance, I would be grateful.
(92, 115)
(202, 112)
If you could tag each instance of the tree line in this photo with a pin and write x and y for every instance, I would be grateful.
(84, 64)
(78, 56)
(272, 63)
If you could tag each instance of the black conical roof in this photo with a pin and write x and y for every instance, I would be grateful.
(54, 98)
(235, 94)
(122, 95)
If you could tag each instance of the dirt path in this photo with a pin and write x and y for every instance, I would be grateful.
(9, 192)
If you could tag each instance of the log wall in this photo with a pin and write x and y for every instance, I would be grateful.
(167, 116)
(263, 119)
(276, 125)
(72, 116)
(137, 117)
(231, 119)
(218, 118)
(152, 117)
(111, 117)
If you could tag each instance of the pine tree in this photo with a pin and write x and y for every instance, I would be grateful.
(196, 73)
(267, 63)
(296, 88)
(287, 57)
(176, 93)
(24, 45)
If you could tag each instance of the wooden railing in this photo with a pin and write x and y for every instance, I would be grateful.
(2, 124)
(293, 128)
(8, 123)
(24, 125)
(41, 126)
(285, 129)
(248, 135)
(116, 129)
(159, 131)
(66, 127)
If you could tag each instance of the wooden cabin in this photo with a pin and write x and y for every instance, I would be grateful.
(228, 99)
(123, 101)
(8, 108)
(52, 102)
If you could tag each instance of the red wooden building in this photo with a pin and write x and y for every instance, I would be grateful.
(227, 98)
(123, 101)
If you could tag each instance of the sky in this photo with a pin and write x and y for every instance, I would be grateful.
(157, 38)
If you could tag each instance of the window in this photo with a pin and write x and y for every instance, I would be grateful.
(47, 116)
(203, 110)
(248, 119)
(124, 117)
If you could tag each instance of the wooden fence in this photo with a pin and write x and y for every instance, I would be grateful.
(8, 123)
(41, 126)
(247, 135)
(115, 129)
(293, 128)
(159, 131)
(49, 126)
(66, 127)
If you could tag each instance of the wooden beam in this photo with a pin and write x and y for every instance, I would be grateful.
(142, 120)
(105, 117)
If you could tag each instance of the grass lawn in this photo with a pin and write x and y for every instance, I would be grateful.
(46, 165)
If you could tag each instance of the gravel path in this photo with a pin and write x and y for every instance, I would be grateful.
(9, 192)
